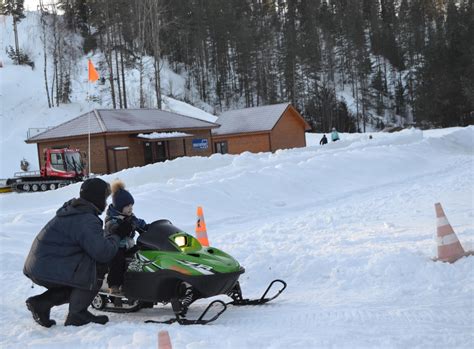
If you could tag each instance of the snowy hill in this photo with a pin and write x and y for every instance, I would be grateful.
(349, 226)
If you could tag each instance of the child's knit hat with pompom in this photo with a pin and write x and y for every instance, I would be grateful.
(120, 196)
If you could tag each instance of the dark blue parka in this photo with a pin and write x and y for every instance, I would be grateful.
(66, 250)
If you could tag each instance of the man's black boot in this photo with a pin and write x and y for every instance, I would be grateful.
(98, 319)
(83, 318)
(40, 309)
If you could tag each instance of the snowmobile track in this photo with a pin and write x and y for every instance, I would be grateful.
(404, 318)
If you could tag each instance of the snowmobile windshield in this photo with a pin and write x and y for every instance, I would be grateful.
(162, 235)
(73, 162)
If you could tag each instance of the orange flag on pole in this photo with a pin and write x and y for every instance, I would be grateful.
(93, 74)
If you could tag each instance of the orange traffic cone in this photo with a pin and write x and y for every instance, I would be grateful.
(201, 232)
(449, 247)
(164, 341)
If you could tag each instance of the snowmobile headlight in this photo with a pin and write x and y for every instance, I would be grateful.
(181, 241)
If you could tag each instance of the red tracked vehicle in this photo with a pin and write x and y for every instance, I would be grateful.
(61, 167)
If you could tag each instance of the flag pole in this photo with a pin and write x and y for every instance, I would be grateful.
(93, 76)
(89, 139)
(89, 122)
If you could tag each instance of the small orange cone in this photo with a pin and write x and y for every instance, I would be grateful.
(201, 232)
(449, 247)
(164, 341)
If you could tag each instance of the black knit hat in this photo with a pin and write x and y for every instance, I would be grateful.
(122, 198)
(95, 190)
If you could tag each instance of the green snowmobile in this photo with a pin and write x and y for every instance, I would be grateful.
(171, 266)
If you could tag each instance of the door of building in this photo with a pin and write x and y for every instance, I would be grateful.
(148, 152)
(160, 151)
(118, 159)
(121, 160)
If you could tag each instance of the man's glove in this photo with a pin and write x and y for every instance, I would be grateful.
(123, 229)
(143, 230)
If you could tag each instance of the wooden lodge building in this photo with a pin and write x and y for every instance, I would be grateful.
(260, 129)
(124, 138)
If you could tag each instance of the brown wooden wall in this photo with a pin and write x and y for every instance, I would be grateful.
(104, 159)
(253, 143)
(289, 132)
(199, 134)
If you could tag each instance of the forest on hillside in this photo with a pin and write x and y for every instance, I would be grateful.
(401, 62)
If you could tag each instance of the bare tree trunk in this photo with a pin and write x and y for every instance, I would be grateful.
(364, 91)
(108, 59)
(140, 68)
(107, 49)
(157, 82)
(43, 37)
(52, 87)
(118, 78)
(155, 12)
(55, 59)
(58, 69)
(140, 10)
(17, 45)
(357, 104)
(123, 77)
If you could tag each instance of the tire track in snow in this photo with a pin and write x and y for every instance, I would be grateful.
(357, 317)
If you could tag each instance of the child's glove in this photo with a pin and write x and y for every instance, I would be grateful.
(122, 229)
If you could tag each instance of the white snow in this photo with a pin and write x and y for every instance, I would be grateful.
(350, 226)
(163, 135)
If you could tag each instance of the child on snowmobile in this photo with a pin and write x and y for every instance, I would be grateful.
(119, 211)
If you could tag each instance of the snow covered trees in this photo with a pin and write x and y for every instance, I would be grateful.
(397, 61)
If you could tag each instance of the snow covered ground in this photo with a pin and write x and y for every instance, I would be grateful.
(349, 226)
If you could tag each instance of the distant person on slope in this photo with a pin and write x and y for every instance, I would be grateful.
(323, 140)
(69, 257)
(334, 135)
(121, 210)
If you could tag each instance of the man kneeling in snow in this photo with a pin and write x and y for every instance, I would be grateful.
(69, 257)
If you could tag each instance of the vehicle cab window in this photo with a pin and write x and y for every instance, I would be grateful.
(57, 161)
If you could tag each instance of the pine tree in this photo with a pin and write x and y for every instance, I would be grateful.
(15, 8)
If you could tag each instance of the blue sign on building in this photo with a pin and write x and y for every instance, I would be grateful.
(200, 143)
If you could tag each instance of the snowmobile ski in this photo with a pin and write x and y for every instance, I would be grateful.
(236, 295)
(200, 320)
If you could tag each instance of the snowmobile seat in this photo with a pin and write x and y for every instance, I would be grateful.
(157, 236)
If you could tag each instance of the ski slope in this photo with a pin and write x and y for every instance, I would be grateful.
(349, 226)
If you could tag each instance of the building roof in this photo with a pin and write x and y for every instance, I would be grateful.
(100, 121)
(249, 120)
